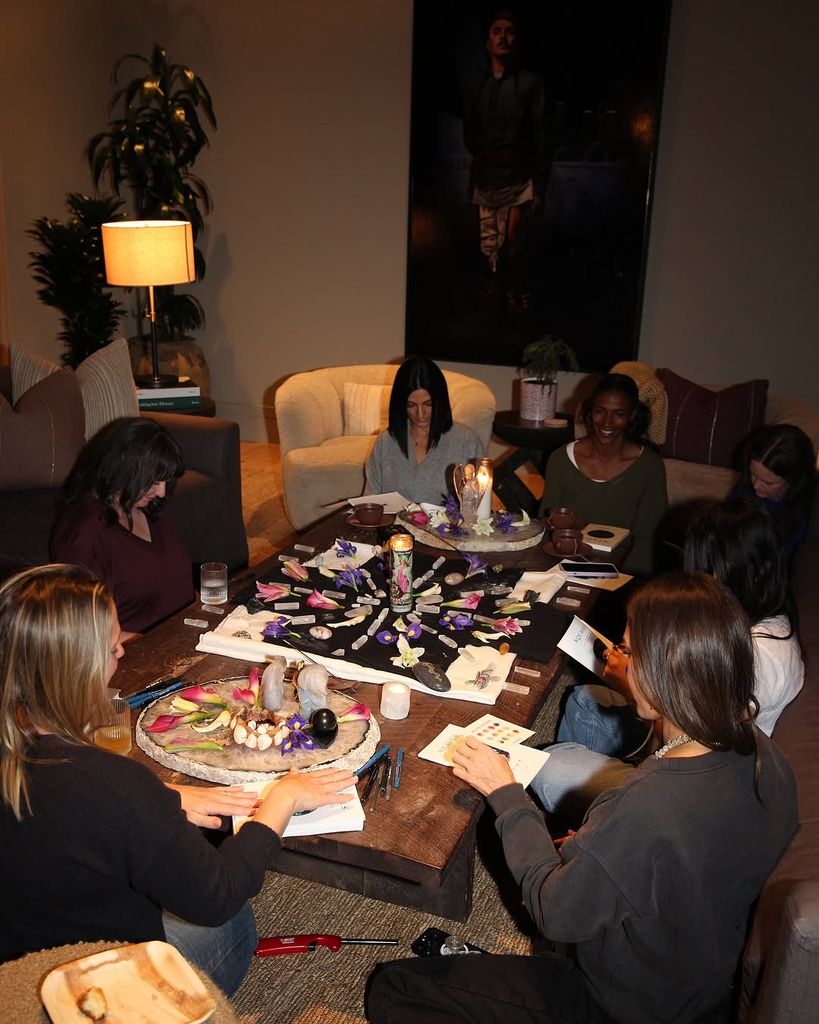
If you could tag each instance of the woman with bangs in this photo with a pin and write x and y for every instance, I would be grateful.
(654, 892)
(92, 845)
(111, 521)
(416, 453)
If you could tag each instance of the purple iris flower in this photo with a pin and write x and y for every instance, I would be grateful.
(474, 565)
(386, 636)
(456, 620)
(345, 548)
(452, 506)
(504, 523)
(276, 629)
(413, 630)
(348, 577)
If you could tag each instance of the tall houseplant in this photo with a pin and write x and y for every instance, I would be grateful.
(70, 270)
(151, 148)
(540, 362)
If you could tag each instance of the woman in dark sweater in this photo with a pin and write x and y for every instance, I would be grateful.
(655, 890)
(92, 845)
(110, 520)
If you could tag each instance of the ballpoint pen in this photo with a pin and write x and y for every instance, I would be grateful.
(388, 779)
(161, 688)
(368, 765)
(386, 771)
(368, 786)
(399, 762)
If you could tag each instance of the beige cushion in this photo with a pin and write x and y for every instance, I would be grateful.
(365, 408)
(107, 386)
(27, 369)
(41, 436)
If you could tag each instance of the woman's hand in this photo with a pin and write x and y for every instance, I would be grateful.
(481, 766)
(302, 791)
(616, 672)
(203, 805)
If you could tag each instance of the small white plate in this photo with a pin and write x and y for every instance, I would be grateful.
(149, 981)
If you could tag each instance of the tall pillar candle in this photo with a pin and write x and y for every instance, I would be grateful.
(401, 572)
(484, 478)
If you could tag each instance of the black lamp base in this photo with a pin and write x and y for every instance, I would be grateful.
(161, 380)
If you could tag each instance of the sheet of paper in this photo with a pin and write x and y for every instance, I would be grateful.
(498, 733)
(578, 643)
(546, 584)
(346, 817)
(525, 762)
(392, 501)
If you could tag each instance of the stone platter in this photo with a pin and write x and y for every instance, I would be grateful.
(523, 537)
(355, 743)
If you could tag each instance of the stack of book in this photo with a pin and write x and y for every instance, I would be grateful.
(184, 395)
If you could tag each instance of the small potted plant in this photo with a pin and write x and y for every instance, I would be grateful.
(540, 362)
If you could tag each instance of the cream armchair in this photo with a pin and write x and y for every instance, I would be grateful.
(322, 464)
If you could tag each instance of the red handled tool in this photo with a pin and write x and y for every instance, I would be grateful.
(278, 944)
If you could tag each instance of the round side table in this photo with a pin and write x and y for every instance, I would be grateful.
(534, 442)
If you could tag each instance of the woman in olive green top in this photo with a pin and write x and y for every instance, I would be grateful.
(611, 476)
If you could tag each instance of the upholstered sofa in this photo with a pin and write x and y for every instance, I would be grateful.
(47, 412)
(328, 420)
(704, 426)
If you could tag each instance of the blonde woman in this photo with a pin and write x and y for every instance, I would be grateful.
(92, 845)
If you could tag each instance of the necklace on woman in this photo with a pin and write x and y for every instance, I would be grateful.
(677, 741)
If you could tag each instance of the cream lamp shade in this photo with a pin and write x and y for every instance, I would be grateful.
(141, 253)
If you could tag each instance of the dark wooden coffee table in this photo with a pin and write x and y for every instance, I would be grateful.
(418, 848)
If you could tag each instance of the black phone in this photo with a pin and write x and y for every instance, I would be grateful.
(600, 570)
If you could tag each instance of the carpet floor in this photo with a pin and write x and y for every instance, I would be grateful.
(324, 987)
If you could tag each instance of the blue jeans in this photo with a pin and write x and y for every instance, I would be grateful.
(223, 953)
(574, 777)
(602, 720)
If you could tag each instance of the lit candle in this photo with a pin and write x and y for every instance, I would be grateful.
(401, 545)
(395, 700)
(484, 477)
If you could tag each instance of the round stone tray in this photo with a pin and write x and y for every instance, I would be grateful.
(523, 537)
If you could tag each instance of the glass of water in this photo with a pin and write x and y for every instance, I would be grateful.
(213, 582)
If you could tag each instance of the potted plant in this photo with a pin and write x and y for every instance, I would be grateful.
(69, 268)
(540, 362)
(151, 148)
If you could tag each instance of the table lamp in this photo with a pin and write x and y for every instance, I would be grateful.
(147, 254)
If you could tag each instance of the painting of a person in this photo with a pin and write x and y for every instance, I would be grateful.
(504, 133)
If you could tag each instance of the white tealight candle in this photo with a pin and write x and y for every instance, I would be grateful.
(395, 700)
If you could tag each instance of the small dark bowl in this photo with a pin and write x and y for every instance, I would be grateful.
(369, 513)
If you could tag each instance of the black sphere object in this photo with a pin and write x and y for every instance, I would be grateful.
(324, 726)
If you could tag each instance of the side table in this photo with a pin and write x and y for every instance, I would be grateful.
(535, 442)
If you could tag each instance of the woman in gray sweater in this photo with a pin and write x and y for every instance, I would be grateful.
(416, 453)
(654, 891)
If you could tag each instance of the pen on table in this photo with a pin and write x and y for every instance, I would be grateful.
(161, 688)
(381, 752)
(376, 787)
(388, 779)
(368, 787)
(399, 761)
(503, 753)
(385, 774)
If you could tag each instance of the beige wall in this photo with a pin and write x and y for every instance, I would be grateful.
(307, 244)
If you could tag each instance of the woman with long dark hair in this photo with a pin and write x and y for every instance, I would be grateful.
(655, 890)
(612, 475)
(779, 471)
(92, 845)
(421, 444)
(111, 520)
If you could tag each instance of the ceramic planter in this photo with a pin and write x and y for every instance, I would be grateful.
(537, 401)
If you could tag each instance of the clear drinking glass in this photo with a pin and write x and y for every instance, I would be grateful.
(213, 582)
(115, 733)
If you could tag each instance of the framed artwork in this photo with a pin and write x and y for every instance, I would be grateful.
(533, 140)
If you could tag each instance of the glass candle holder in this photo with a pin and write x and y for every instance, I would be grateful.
(401, 545)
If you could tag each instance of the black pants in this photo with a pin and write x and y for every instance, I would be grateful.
(491, 989)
